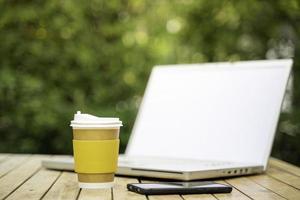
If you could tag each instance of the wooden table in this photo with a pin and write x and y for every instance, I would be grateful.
(22, 177)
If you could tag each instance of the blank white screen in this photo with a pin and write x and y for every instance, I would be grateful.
(218, 111)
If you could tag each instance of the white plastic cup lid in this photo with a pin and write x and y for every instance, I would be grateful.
(82, 120)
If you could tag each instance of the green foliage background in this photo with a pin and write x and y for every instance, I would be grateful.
(57, 57)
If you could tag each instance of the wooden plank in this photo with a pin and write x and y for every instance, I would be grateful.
(285, 177)
(15, 178)
(95, 194)
(120, 191)
(252, 189)
(234, 195)
(165, 197)
(199, 196)
(3, 157)
(61, 156)
(276, 186)
(65, 188)
(273, 162)
(36, 186)
(161, 197)
(11, 162)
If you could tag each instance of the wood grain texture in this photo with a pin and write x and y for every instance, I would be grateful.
(95, 194)
(284, 176)
(65, 188)
(36, 186)
(252, 189)
(277, 187)
(165, 197)
(273, 162)
(19, 175)
(120, 191)
(199, 196)
(3, 157)
(11, 162)
(234, 195)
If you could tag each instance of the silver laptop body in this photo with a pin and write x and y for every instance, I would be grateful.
(200, 121)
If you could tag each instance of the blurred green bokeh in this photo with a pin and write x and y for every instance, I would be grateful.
(57, 57)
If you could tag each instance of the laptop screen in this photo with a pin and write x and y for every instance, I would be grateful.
(217, 111)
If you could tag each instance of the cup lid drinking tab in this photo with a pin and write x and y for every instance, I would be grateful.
(83, 120)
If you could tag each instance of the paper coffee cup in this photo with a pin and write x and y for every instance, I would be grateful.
(96, 148)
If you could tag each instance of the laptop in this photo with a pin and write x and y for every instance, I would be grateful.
(199, 121)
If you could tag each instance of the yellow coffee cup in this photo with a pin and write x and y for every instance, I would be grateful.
(95, 148)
